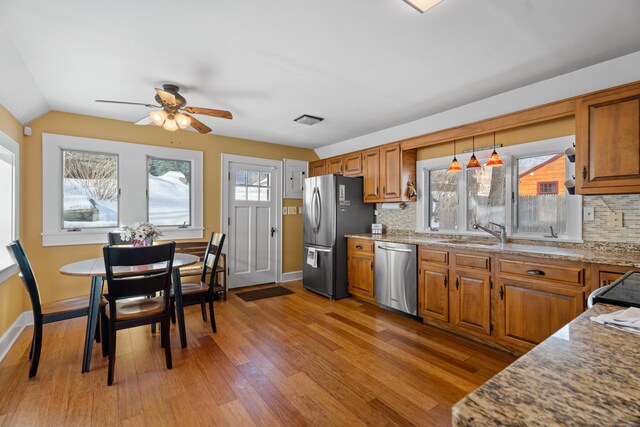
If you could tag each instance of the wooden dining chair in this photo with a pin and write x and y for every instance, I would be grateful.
(203, 292)
(128, 275)
(43, 313)
(116, 240)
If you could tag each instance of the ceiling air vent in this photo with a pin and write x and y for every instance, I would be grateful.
(308, 120)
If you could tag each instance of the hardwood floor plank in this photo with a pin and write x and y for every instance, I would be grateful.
(298, 359)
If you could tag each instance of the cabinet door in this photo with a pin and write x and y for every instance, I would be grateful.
(608, 277)
(528, 313)
(434, 293)
(371, 175)
(353, 164)
(391, 172)
(360, 275)
(608, 139)
(334, 166)
(317, 168)
(471, 302)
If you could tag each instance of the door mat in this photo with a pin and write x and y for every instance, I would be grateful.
(275, 291)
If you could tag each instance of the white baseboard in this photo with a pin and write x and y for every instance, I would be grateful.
(291, 276)
(11, 335)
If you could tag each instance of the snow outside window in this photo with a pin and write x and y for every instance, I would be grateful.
(9, 203)
(169, 191)
(90, 189)
(93, 186)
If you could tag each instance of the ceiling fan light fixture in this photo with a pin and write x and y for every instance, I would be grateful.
(422, 5)
(170, 124)
(183, 120)
(158, 117)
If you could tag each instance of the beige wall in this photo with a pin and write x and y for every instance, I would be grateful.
(520, 135)
(12, 294)
(47, 261)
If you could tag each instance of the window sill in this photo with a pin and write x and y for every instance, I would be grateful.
(8, 271)
(95, 236)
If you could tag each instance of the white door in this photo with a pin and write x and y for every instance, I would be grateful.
(253, 192)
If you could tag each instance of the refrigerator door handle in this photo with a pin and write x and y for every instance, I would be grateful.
(387, 248)
(313, 209)
(319, 217)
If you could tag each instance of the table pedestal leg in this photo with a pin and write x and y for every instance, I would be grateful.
(177, 292)
(92, 321)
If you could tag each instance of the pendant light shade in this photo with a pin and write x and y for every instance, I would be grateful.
(183, 120)
(473, 161)
(454, 166)
(158, 117)
(495, 159)
(170, 124)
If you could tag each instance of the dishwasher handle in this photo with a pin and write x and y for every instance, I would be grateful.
(389, 248)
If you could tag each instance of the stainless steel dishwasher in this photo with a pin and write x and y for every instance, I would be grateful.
(396, 276)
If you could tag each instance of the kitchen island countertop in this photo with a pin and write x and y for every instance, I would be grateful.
(584, 374)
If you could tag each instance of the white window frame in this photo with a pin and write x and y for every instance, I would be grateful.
(132, 178)
(9, 144)
(509, 155)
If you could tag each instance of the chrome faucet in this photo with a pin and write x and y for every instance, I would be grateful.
(501, 235)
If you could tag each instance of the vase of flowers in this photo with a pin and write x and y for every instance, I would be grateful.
(140, 234)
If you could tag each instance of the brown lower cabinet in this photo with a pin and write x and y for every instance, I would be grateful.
(360, 257)
(471, 302)
(433, 290)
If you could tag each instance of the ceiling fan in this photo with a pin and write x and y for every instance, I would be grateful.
(174, 113)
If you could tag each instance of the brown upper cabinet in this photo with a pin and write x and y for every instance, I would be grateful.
(353, 164)
(608, 141)
(317, 168)
(334, 165)
(387, 170)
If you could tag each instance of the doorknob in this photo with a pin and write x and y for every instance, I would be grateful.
(273, 231)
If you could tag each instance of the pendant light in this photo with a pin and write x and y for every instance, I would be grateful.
(495, 159)
(454, 166)
(473, 161)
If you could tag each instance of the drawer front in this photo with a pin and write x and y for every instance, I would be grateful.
(569, 274)
(476, 262)
(365, 246)
(434, 256)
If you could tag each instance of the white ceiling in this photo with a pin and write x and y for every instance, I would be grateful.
(363, 65)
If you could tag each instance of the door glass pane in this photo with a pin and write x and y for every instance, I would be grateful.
(443, 200)
(264, 179)
(252, 193)
(486, 196)
(169, 201)
(241, 193)
(542, 197)
(253, 178)
(264, 194)
(241, 178)
(90, 189)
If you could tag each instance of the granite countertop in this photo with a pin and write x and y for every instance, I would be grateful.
(584, 374)
(613, 255)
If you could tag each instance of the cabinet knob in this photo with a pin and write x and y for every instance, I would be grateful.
(501, 292)
(457, 283)
(358, 246)
(535, 272)
(446, 281)
(584, 172)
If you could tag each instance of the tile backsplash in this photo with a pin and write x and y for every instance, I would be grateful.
(598, 230)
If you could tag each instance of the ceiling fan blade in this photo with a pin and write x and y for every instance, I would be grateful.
(209, 112)
(199, 126)
(127, 103)
(167, 97)
(144, 121)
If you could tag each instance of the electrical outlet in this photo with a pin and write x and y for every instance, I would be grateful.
(616, 219)
(292, 210)
(589, 213)
(300, 210)
(285, 210)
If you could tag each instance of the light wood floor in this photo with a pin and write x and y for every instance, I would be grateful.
(291, 360)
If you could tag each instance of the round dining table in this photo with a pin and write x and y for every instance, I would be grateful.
(95, 269)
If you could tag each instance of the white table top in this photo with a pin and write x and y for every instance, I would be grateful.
(95, 267)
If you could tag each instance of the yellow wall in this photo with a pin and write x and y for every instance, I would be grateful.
(12, 294)
(47, 261)
(520, 135)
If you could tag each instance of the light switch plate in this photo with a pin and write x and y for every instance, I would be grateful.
(285, 210)
(589, 213)
(292, 210)
(300, 210)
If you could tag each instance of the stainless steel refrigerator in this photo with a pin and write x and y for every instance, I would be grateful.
(333, 207)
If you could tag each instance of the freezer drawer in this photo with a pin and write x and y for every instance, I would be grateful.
(396, 276)
(319, 279)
